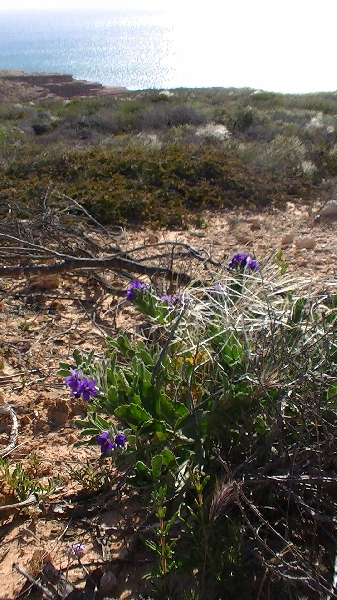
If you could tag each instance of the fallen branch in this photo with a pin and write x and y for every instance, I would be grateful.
(118, 261)
(73, 263)
(33, 581)
(8, 410)
(8, 509)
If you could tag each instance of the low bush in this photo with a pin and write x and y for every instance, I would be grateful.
(226, 426)
(160, 185)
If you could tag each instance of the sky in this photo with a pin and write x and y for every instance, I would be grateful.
(284, 46)
(83, 4)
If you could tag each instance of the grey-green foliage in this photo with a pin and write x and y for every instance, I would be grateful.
(232, 380)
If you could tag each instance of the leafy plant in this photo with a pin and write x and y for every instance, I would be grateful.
(240, 375)
(21, 483)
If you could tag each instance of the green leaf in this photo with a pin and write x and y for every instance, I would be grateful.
(100, 422)
(65, 366)
(167, 456)
(151, 545)
(63, 372)
(146, 357)
(297, 310)
(81, 424)
(132, 414)
(142, 467)
(132, 441)
(113, 396)
(156, 465)
(171, 522)
(90, 431)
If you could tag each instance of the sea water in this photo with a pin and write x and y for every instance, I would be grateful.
(180, 44)
(112, 47)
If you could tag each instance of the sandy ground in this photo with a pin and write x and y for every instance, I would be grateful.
(36, 337)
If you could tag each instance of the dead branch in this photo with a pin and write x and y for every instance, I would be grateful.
(67, 590)
(33, 581)
(8, 509)
(73, 263)
(8, 410)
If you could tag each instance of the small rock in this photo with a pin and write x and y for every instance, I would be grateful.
(2, 398)
(153, 239)
(41, 397)
(243, 238)
(58, 413)
(329, 210)
(45, 282)
(255, 224)
(287, 240)
(107, 583)
(199, 234)
(307, 243)
(25, 420)
(77, 408)
(41, 425)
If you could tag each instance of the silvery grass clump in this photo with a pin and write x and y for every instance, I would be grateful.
(231, 409)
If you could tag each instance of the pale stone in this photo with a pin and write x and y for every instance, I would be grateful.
(255, 224)
(46, 282)
(153, 239)
(307, 243)
(287, 240)
(243, 237)
(330, 210)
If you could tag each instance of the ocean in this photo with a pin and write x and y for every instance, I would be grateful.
(184, 44)
(110, 47)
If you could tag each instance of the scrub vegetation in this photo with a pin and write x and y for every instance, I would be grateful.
(158, 156)
(216, 415)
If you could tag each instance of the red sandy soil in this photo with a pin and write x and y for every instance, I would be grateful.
(74, 314)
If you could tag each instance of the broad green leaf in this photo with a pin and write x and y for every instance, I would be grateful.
(113, 396)
(142, 467)
(133, 414)
(156, 464)
(167, 456)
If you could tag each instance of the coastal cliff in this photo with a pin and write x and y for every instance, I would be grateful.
(19, 86)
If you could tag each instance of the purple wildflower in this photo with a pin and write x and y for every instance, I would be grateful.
(87, 388)
(132, 287)
(76, 549)
(104, 441)
(252, 264)
(72, 380)
(170, 299)
(242, 261)
(120, 440)
(218, 288)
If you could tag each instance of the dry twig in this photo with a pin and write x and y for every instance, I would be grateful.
(8, 410)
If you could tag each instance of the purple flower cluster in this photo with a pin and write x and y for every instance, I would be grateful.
(243, 261)
(80, 385)
(132, 287)
(77, 549)
(170, 299)
(106, 443)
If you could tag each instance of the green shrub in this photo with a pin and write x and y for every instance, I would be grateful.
(234, 391)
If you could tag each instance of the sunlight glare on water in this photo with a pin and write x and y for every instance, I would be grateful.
(242, 44)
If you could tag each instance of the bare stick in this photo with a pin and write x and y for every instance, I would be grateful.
(8, 410)
(33, 581)
(17, 506)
